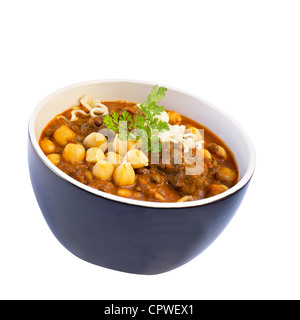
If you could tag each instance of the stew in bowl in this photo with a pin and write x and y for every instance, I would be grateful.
(139, 150)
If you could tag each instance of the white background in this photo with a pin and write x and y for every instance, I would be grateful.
(244, 56)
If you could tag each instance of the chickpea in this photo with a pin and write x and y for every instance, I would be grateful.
(137, 158)
(110, 147)
(195, 131)
(129, 194)
(124, 175)
(217, 150)
(215, 189)
(103, 146)
(94, 154)
(205, 153)
(47, 146)
(133, 144)
(221, 153)
(225, 174)
(185, 199)
(88, 175)
(122, 146)
(103, 170)
(174, 118)
(63, 135)
(114, 158)
(54, 158)
(74, 153)
(124, 192)
(96, 140)
(158, 196)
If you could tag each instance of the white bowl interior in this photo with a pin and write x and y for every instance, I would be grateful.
(186, 104)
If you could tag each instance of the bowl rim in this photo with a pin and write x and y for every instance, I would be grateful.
(241, 183)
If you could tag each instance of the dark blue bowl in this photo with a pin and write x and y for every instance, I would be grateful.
(129, 235)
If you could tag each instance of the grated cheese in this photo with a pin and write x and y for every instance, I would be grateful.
(177, 134)
(163, 117)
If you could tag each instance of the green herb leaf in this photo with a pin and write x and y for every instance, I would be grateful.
(112, 122)
(143, 124)
(156, 94)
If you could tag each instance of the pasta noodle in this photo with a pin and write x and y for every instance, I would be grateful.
(95, 108)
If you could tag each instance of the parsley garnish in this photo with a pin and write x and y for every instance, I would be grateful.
(146, 127)
(121, 124)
